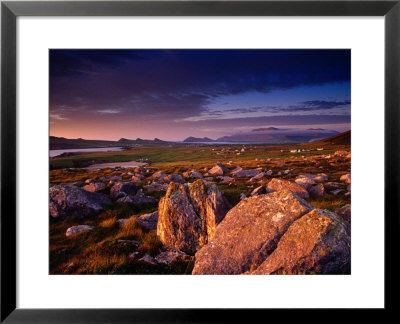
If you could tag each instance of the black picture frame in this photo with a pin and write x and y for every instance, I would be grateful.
(10, 10)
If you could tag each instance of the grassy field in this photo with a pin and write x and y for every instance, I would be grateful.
(101, 251)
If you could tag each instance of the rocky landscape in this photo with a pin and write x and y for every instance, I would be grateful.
(279, 213)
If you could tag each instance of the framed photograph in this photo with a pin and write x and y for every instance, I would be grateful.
(193, 160)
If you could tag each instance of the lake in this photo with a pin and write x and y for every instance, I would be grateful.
(54, 153)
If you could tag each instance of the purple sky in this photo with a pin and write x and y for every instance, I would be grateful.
(173, 94)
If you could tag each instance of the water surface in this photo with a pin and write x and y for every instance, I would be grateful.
(54, 153)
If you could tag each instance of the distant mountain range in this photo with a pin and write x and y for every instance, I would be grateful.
(192, 139)
(60, 143)
(270, 135)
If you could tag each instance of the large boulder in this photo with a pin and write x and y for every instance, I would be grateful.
(122, 189)
(72, 201)
(318, 242)
(249, 233)
(280, 184)
(189, 214)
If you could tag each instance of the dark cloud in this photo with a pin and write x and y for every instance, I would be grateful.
(279, 120)
(181, 83)
(318, 105)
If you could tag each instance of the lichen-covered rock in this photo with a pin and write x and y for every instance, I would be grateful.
(73, 230)
(122, 189)
(148, 221)
(71, 201)
(188, 215)
(280, 184)
(318, 242)
(249, 233)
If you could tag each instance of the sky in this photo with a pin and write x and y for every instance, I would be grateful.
(173, 94)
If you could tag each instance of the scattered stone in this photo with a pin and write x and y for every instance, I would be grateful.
(258, 191)
(174, 178)
(346, 178)
(155, 186)
(137, 177)
(269, 173)
(159, 175)
(189, 214)
(317, 190)
(257, 177)
(168, 257)
(237, 169)
(122, 189)
(344, 212)
(193, 174)
(305, 182)
(245, 173)
(71, 201)
(242, 196)
(140, 169)
(138, 199)
(344, 154)
(337, 191)
(280, 184)
(224, 179)
(148, 259)
(122, 221)
(249, 233)
(73, 230)
(94, 186)
(218, 169)
(110, 178)
(133, 255)
(148, 221)
(320, 177)
(132, 242)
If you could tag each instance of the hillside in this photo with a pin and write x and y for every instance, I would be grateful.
(339, 139)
